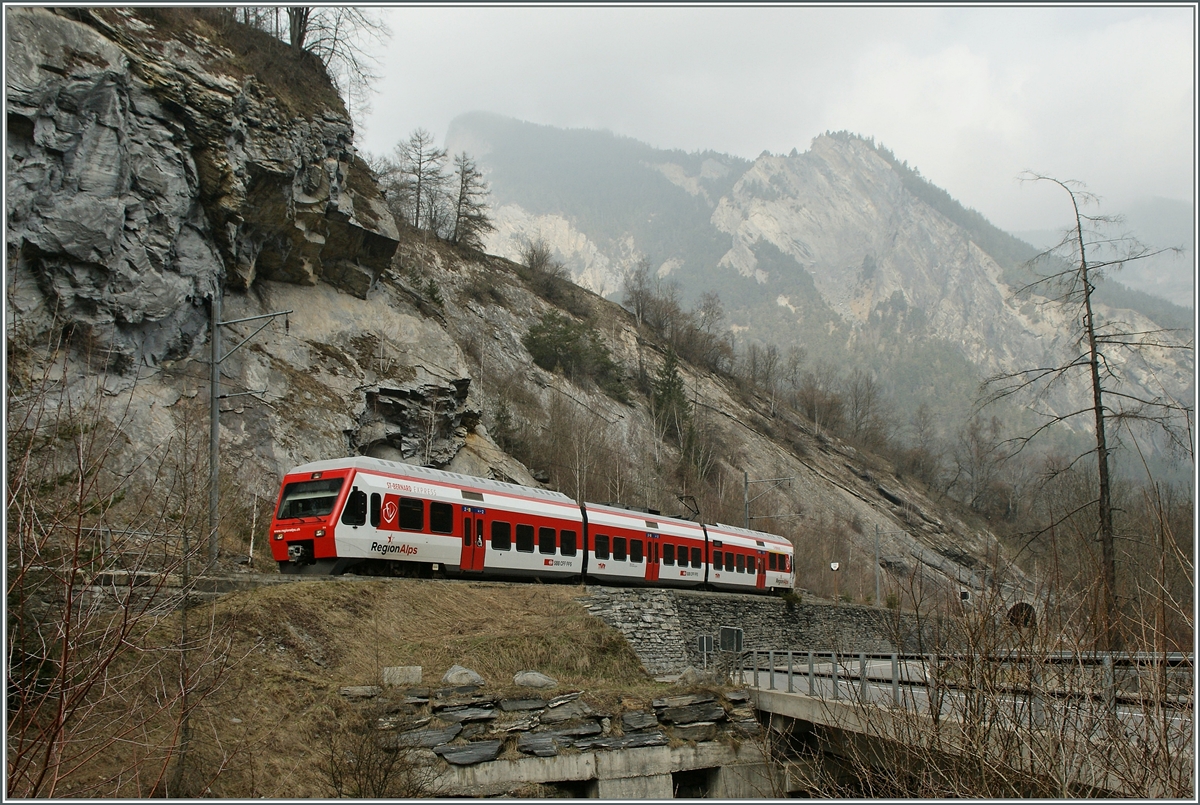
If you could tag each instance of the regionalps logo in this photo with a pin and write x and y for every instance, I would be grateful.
(407, 550)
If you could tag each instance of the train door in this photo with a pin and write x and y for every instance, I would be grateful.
(651, 557)
(472, 540)
(761, 562)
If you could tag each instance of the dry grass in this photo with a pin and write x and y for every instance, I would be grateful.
(267, 729)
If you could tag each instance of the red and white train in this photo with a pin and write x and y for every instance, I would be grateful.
(389, 518)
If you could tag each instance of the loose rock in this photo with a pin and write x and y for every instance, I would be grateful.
(457, 675)
(534, 679)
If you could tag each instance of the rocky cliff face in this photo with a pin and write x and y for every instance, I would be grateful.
(141, 177)
(148, 171)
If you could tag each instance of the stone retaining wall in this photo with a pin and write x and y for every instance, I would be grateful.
(663, 626)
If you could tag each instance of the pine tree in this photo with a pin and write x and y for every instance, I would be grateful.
(671, 406)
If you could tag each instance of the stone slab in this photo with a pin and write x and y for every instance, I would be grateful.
(426, 738)
(638, 721)
(467, 714)
(469, 755)
(477, 700)
(582, 730)
(539, 744)
(565, 712)
(633, 741)
(396, 675)
(564, 698)
(698, 731)
(681, 701)
(693, 713)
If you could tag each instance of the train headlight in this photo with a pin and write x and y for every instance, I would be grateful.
(279, 535)
(320, 532)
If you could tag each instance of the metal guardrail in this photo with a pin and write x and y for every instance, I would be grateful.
(927, 670)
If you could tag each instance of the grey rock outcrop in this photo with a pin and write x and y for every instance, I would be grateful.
(141, 177)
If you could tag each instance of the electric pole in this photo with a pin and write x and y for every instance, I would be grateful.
(214, 408)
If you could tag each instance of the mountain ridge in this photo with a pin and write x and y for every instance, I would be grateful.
(846, 218)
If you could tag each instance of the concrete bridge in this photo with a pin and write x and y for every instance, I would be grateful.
(1038, 725)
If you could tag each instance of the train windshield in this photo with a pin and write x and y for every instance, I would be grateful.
(309, 499)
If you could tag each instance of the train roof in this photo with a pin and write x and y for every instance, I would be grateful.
(748, 533)
(430, 474)
(665, 524)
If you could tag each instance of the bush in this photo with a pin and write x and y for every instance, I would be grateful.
(558, 344)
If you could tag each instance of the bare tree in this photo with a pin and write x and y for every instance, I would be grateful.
(978, 458)
(422, 177)
(864, 408)
(93, 534)
(793, 368)
(923, 458)
(638, 290)
(819, 399)
(470, 219)
(1103, 350)
(342, 37)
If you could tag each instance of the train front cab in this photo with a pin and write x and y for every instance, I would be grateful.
(398, 519)
(305, 520)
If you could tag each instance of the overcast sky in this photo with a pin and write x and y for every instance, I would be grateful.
(970, 96)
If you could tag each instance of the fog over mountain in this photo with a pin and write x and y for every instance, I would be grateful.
(843, 249)
(1159, 223)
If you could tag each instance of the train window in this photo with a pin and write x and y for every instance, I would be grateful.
(619, 549)
(770, 561)
(741, 563)
(566, 542)
(355, 512)
(375, 507)
(668, 554)
(635, 550)
(546, 541)
(601, 546)
(309, 498)
(525, 538)
(501, 536)
(728, 561)
(441, 518)
(697, 558)
(412, 514)
(751, 565)
(717, 559)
